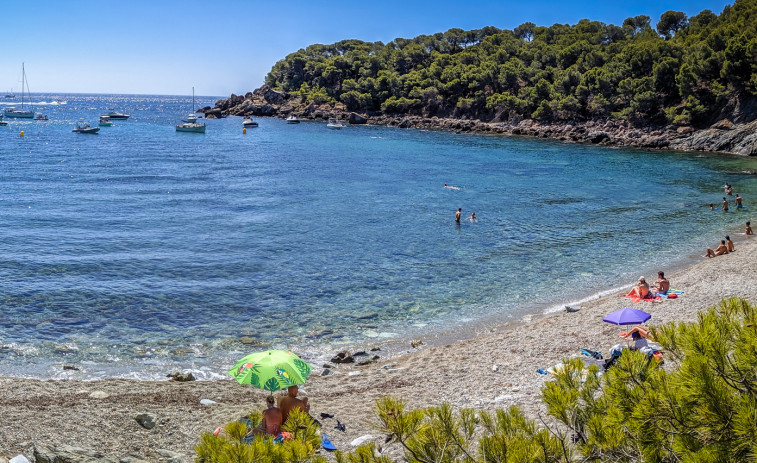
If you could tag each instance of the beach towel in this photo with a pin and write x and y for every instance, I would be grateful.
(672, 294)
(648, 298)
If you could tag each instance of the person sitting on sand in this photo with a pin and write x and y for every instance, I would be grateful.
(272, 418)
(639, 341)
(725, 204)
(738, 202)
(661, 285)
(290, 401)
(641, 290)
(748, 230)
(719, 251)
(729, 243)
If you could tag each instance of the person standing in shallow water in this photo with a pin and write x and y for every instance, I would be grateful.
(748, 230)
(725, 204)
(458, 214)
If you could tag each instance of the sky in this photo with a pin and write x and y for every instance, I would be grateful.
(219, 47)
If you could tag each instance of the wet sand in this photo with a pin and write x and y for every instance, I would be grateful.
(497, 368)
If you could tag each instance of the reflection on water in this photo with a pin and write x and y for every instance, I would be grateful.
(142, 250)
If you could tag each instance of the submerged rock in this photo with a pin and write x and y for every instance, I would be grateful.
(343, 357)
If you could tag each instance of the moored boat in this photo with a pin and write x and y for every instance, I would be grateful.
(105, 121)
(334, 124)
(41, 117)
(21, 113)
(292, 119)
(249, 123)
(116, 116)
(85, 128)
(191, 124)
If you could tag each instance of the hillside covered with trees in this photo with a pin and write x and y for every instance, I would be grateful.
(677, 70)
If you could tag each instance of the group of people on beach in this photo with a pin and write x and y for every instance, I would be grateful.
(726, 246)
(644, 290)
(275, 416)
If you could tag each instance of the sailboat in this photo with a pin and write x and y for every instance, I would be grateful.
(21, 113)
(191, 125)
(10, 94)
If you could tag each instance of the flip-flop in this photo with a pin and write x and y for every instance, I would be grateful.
(326, 415)
(326, 443)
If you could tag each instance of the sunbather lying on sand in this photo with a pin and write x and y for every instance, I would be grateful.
(719, 251)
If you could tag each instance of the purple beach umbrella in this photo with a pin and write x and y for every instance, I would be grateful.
(627, 316)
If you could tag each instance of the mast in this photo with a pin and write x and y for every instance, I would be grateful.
(23, 78)
(193, 100)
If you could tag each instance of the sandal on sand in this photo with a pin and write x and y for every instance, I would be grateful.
(326, 415)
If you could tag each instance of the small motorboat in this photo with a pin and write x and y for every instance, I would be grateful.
(105, 121)
(191, 127)
(41, 117)
(85, 128)
(3, 123)
(116, 116)
(249, 123)
(334, 124)
(292, 119)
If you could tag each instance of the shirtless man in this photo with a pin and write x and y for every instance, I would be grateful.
(748, 229)
(729, 243)
(457, 215)
(719, 251)
(661, 285)
(738, 202)
(725, 204)
(272, 418)
(290, 402)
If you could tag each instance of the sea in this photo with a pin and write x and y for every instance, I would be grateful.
(140, 251)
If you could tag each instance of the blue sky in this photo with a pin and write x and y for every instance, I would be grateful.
(225, 46)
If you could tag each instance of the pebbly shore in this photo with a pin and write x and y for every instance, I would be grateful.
(134, 421)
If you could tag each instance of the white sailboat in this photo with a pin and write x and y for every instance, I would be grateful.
(191, 125)
(21, 113)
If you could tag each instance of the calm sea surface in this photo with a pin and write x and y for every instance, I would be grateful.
(141, 251)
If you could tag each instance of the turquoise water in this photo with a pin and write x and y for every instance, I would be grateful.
(141, 251)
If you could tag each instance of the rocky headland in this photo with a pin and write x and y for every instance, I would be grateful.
(735, 132)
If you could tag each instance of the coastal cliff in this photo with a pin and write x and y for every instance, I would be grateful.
(723, 136)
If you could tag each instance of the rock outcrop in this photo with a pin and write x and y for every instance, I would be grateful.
(730, 134)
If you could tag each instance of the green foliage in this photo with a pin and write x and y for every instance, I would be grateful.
(230, 446)
(531, 70)
(441, 435)
(703, 409)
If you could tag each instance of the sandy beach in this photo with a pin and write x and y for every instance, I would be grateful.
(495, 369)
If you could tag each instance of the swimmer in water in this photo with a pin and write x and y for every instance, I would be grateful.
(725, 204)
(450, 187)
(748, 229)
(473, 218)
(457, 215)
(738, 201)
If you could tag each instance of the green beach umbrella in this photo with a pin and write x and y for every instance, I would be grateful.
(271, 370)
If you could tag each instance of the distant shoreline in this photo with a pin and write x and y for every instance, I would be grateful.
(723, 136)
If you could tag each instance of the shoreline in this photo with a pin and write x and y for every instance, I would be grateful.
(724, 136)
(496, 367)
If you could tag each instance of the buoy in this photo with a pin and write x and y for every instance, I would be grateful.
(21, 134)
(244, 130)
